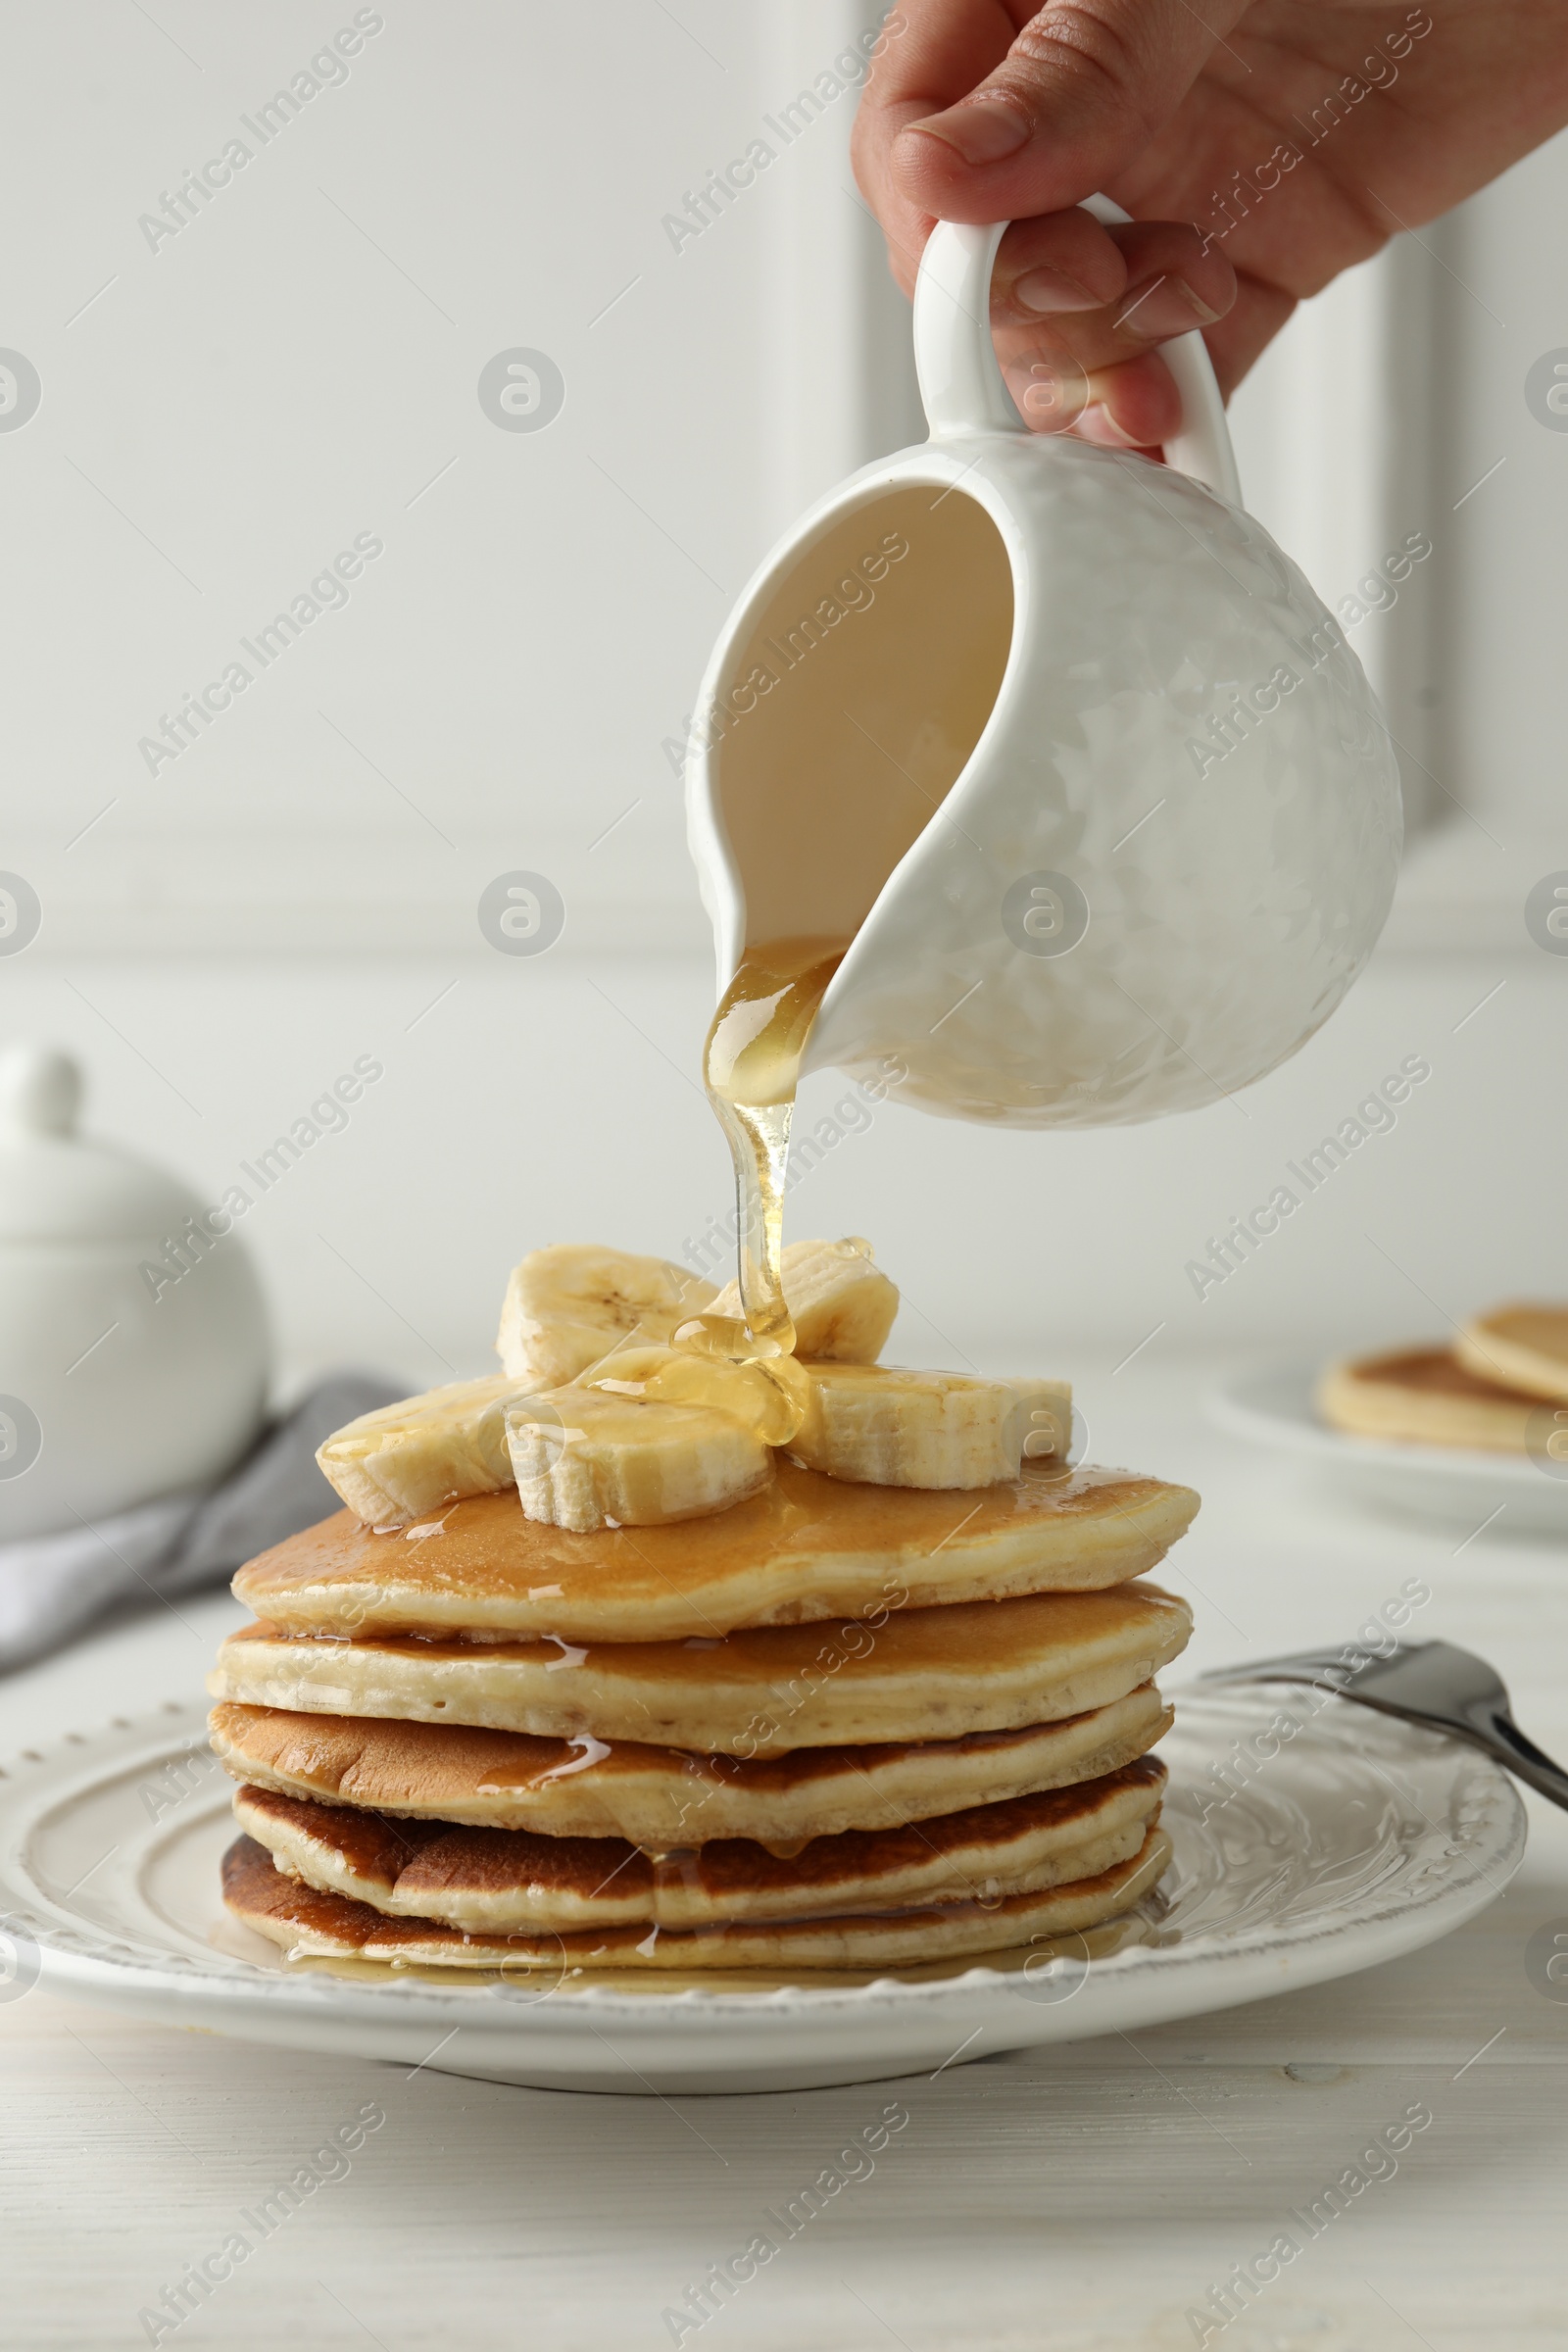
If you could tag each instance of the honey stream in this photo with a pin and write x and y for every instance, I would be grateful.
(751, 1068)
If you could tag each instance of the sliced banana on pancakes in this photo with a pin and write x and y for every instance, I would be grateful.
(841, 1303)
(406, 1459)
(769, 1397)
(878, 1425)
(584, 1327)
(585, 1459)
(574, 1304)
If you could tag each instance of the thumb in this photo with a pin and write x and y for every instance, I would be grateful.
(1078, 97)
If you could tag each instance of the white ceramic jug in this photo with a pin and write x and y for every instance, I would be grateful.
(1063, 740)
(114, 1389)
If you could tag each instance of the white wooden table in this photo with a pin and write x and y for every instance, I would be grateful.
(1082, 2198)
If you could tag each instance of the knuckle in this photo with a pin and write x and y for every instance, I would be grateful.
(1070, 40)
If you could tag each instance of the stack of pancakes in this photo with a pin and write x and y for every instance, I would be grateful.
(1502, 1388)
(835, 1726)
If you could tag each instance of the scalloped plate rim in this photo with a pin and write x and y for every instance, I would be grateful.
(227, 1986)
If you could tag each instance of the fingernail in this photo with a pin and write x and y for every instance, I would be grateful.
(1096, 424)
(1166, 305)
(1044, 290)
(983, 130)
(1050, 396)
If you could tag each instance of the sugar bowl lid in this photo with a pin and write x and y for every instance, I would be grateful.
(55, 1187)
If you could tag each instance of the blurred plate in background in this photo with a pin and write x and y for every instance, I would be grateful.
(1272, 1405)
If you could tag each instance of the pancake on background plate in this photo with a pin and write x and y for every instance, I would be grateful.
(1427, 1397)
(1519, 1346)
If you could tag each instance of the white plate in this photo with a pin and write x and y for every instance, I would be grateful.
(1273, 1406)
(1359, 1840)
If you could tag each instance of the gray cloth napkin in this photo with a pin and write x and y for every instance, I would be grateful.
(50, 1585)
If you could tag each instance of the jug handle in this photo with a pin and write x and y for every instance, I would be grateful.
(961, 381)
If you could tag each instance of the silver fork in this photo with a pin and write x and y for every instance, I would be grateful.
(1432, 1683)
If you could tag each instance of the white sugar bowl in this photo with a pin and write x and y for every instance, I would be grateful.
(135, 1350)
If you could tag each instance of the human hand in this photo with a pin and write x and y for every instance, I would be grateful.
(1261, 153)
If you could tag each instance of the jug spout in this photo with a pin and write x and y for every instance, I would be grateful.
(848, 701)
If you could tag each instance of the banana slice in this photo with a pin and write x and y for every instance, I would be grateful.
(405, 1460)
(769, 1397)
(840, 1302)
(569, 1305)
(883, 1427)
(1044, 1424)
(584, 1459)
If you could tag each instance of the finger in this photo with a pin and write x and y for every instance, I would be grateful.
(1081, 91)
(1076, 365)
(1062, 262)
(932, 53)
(1131, 285)
(1132, 406)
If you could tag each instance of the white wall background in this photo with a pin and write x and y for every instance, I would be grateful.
(300, 364)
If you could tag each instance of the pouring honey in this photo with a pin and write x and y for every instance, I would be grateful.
(751, 1068)
(975, 719)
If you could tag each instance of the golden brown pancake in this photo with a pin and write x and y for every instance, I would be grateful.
(661, 1796)
(1425, 1396)
(1519, 1346)
(809, 1548)
(512, 1882)
(306, 1921)
(927, 1673)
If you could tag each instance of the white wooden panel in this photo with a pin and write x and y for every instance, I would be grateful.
(300, 364)
(1396, 402)
(844, 380)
